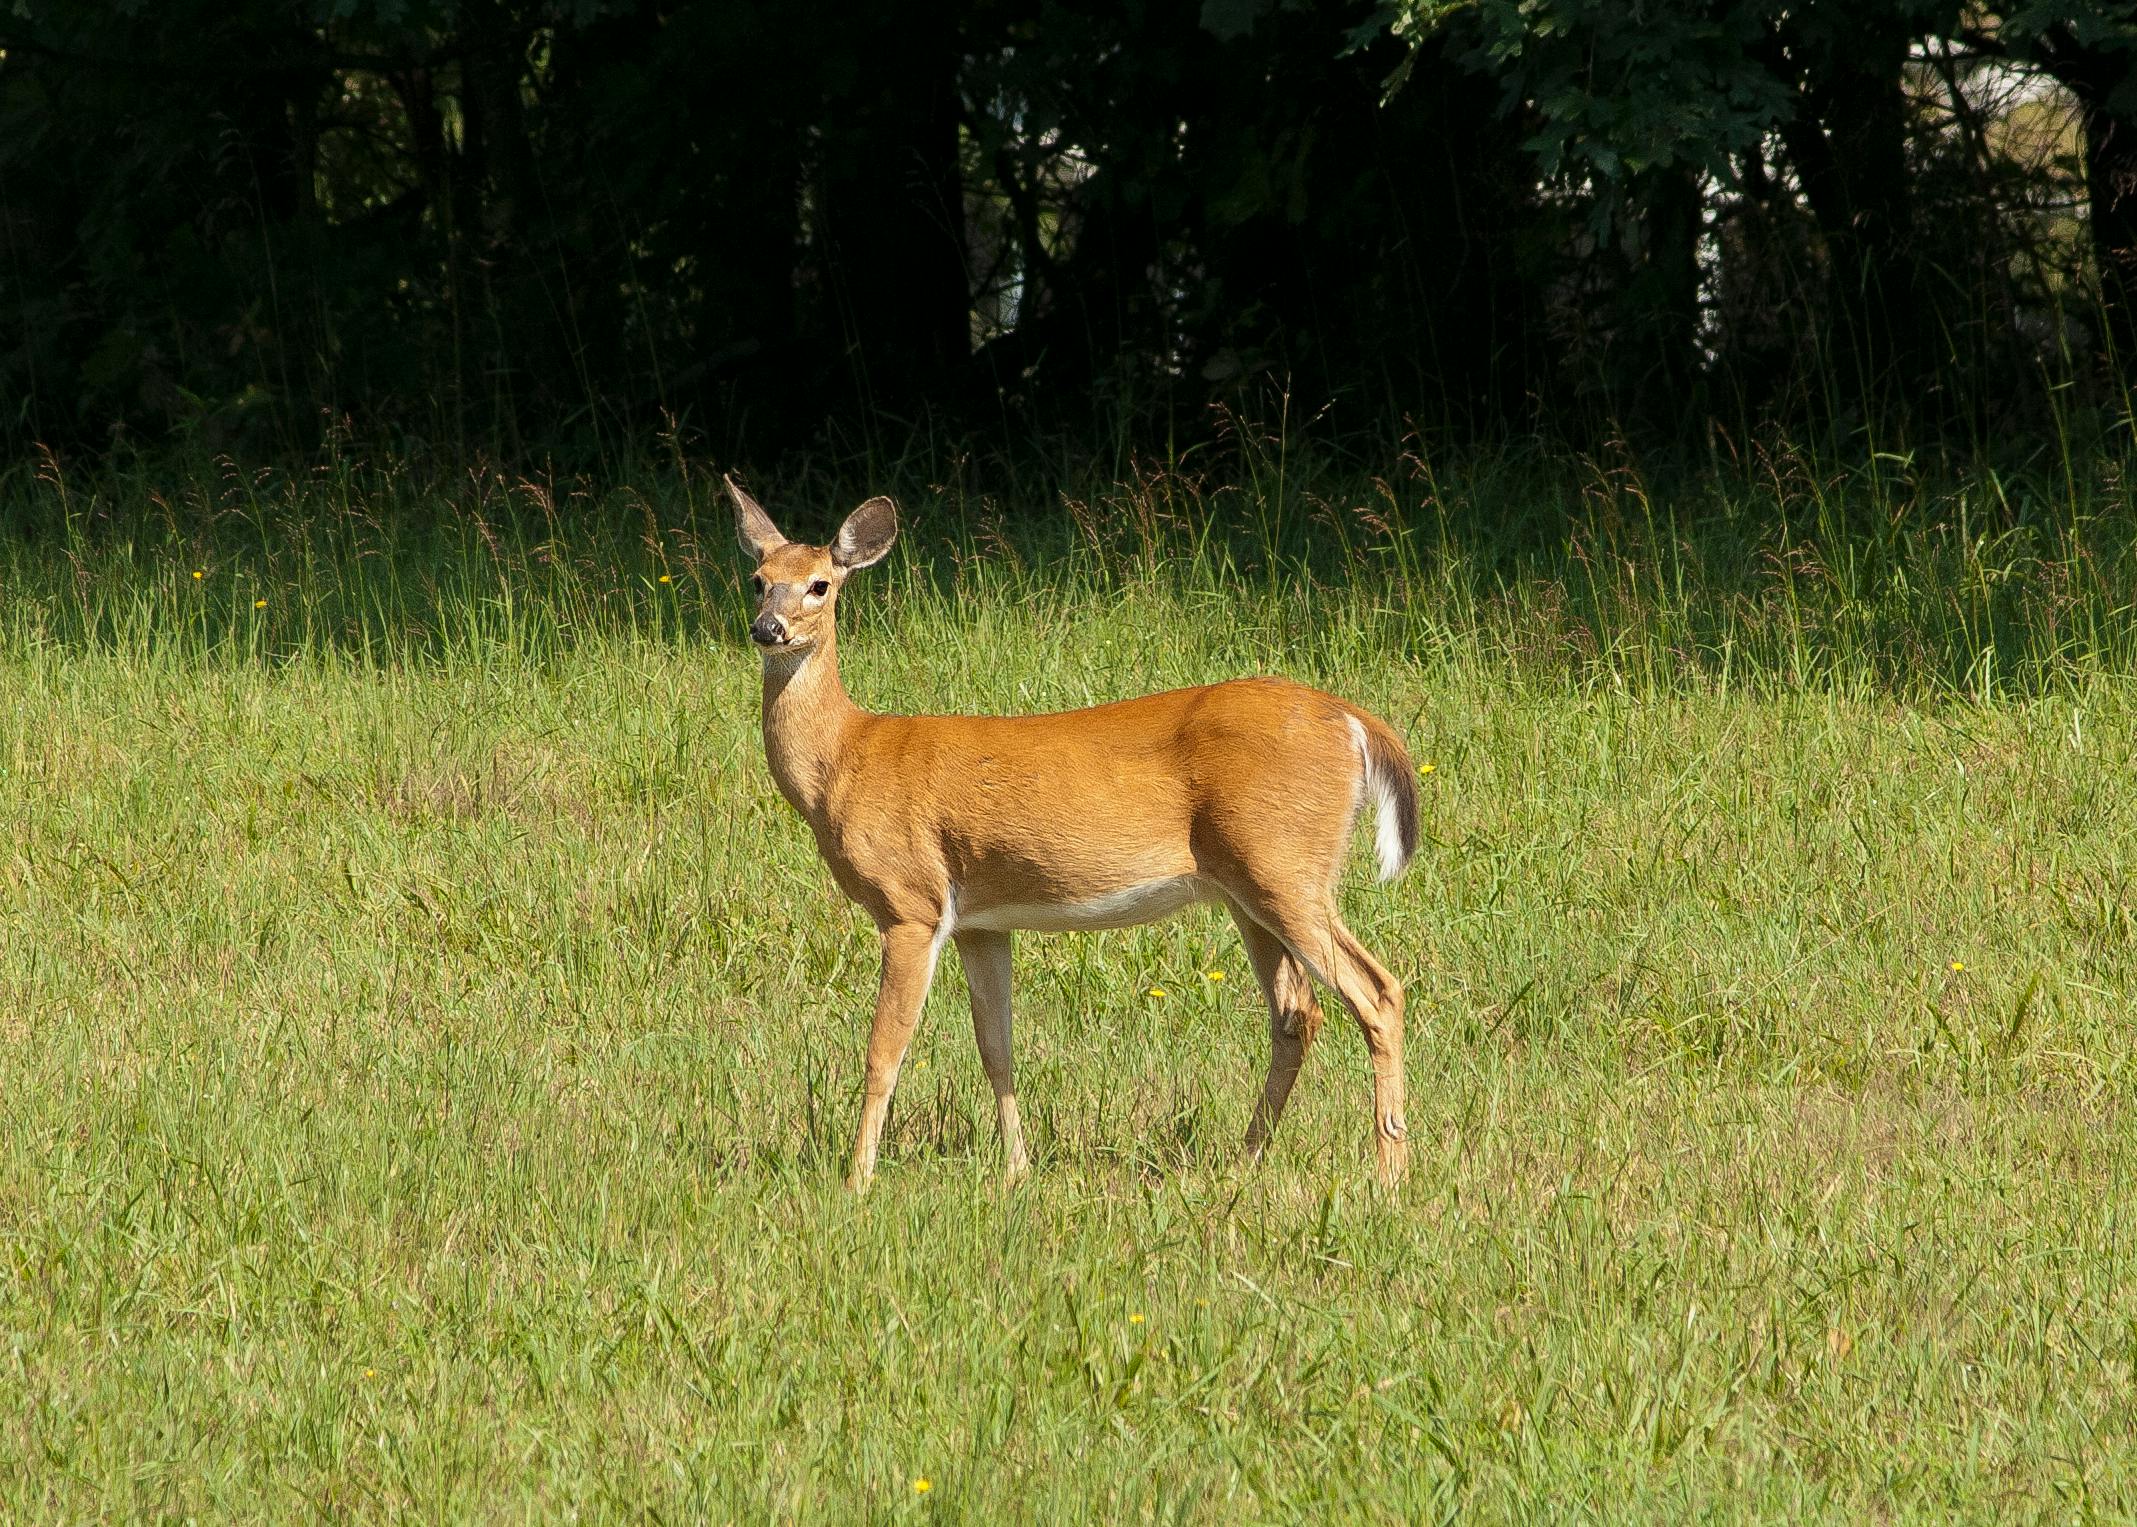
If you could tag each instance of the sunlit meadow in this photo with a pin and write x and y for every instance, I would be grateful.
(430, 1045)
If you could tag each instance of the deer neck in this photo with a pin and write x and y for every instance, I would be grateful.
(806, 718)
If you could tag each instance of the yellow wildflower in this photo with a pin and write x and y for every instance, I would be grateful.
(1136, 1319)
(665, 578)
(1425, 768)
(1213, 975)
(922, 1485)
(1157, 991)
(1959, 965)
(259, 604)
(198, 573)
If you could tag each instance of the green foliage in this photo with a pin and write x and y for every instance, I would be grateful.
(2096, 36)
(1622, 90)
(527, 227)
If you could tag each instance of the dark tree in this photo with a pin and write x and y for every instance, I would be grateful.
(507, 225)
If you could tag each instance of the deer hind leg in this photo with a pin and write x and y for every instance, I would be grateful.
(1294, 1019)
(909, 952)
(1384, 1043)
(986, 959)
(1316, 937)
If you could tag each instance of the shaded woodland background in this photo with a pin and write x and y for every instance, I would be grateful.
(501, 226)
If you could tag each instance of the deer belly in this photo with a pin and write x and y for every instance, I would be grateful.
(1123, 908)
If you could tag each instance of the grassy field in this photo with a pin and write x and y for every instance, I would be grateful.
(429, 1045)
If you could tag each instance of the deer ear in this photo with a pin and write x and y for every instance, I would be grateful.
(759, 536)
(865, 538)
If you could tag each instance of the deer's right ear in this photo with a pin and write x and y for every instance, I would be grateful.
(759, 536)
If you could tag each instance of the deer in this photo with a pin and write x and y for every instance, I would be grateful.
(967, 829)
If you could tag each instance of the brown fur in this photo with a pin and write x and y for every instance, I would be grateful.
(1246, 792)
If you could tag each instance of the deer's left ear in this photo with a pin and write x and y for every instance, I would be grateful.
(865, 538)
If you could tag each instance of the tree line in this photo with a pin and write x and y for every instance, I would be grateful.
(526, 223)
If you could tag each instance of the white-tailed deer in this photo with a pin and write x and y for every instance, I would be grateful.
(966, 827)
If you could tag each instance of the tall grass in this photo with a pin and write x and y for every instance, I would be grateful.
(429, 1044)
(1771, 567)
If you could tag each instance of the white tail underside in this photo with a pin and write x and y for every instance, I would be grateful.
(1387, 831)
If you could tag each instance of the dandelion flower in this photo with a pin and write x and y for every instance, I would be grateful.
(1157, 991)
(1136, 1319)
(259, 604)
(922, 1485)
(665, 578)
(1213, 975)
(370, 1373)
(199, 573)
(1959, 965)
(1425, 768)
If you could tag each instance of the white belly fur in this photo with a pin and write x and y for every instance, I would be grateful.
(1124, 908)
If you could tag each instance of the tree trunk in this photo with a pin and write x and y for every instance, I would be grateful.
(2111, 191)
(1848, 141)
(891, 214)
(426, 126)
(1671, 258)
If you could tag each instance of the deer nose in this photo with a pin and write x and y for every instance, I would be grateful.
(768, 629)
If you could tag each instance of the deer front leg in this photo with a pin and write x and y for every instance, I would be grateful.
(986, 960)
(909, 951)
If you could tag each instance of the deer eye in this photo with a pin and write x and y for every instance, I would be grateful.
(756, 583)
(820, 587)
